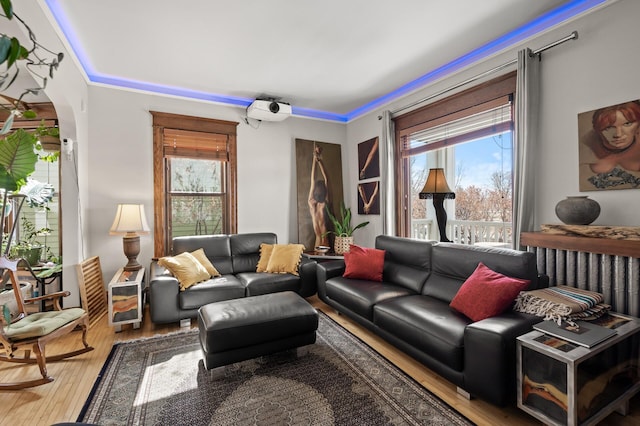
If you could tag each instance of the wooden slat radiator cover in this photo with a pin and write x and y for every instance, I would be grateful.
(610, 267)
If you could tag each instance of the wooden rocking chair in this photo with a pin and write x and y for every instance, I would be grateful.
(32, 331)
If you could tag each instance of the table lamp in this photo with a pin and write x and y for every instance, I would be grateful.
(437, 188)
(130, 221)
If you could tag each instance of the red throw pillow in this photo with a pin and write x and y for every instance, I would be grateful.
(363, 263)
(487, 293)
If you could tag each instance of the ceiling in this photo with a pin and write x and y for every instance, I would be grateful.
(331, 59)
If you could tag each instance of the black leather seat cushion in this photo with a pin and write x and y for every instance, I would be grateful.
(225, 287)
(360, 295)
(426, 324)
(250, 321)
(257, 283)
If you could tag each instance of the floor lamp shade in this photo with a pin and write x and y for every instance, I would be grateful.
(437, 188)
(131, 222)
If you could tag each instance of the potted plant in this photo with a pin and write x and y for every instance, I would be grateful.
(342, 229)
(28, 248)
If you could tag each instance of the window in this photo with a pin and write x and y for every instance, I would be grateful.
(470, 136)
(41, 225)
(194, 178)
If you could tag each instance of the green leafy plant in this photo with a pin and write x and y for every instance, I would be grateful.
(34, 56)
(18, 159)
(28, 247)
(342, 226)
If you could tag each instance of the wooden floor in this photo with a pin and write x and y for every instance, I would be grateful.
(63, 399)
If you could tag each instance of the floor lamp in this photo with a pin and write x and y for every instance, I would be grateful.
(130, 221)
(437, 188)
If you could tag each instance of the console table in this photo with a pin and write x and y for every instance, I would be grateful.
(561, 383)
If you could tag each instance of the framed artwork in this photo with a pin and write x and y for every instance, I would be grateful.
(369, 159)
(368, 198)
(609, 147)
(319, 186)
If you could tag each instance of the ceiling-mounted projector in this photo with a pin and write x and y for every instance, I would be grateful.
(268, 110)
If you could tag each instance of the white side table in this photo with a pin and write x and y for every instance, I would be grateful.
(126, 298)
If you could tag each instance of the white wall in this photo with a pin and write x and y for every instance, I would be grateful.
(119, 152)
(600, 68)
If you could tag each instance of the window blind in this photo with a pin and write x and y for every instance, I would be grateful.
(472, 127)
(186, 143)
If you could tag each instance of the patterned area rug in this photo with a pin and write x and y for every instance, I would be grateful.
(339, 381)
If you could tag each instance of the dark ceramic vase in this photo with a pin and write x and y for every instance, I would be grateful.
(578, 210)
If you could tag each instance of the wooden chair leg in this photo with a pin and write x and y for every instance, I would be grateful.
(38, 349)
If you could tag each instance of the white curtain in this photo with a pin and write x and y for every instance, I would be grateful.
(526, 137)
(387, 193)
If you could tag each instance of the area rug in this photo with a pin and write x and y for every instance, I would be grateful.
(339, 381)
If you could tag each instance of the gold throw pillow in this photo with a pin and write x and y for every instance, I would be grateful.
(285, 258)
(185, 268)
(204, 261)
(265, 255)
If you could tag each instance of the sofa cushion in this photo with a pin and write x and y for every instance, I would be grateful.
(216, 247)
(407, 262)
(285, 258)
(360, 295)
(427, 324)
(363, 263)
(216, 289)
(454, 263)
(245, 250)
(256, 283)
(487, 293)
(186, 268)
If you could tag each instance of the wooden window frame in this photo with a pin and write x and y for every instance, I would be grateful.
(162, 121)
(445, 110)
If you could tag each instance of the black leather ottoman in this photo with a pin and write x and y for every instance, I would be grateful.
(240, 329)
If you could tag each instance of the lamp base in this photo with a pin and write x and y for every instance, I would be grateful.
(131, 246)
(441, 216)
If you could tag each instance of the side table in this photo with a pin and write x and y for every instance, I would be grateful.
(322, 257)
(561, 383)
(43, 276)
(126, 298)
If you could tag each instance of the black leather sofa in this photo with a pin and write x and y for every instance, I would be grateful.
(236, 257)
(410, 309)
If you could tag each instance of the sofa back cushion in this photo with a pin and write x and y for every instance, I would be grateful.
(245, 250)
(216, 247)
(453, 263)
(407, 262)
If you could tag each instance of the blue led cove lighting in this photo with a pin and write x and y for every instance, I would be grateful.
(544, 22)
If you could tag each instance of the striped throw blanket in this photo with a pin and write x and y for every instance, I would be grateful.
(562, 303)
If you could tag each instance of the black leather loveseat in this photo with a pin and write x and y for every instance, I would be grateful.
(235, 257)
(410, 309)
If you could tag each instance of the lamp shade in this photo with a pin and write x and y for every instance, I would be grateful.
(436, 184)
(130, 219)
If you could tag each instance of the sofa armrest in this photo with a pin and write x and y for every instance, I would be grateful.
(163, 295)
(308, 277)
(326, 271)
(490, 355)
